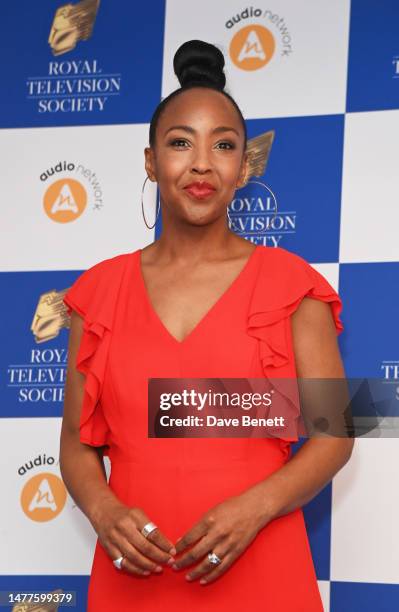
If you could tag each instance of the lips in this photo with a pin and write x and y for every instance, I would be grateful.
(200, 190)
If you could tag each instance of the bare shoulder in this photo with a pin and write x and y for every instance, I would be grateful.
(315, 341)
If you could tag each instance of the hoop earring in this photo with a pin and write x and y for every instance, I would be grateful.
(230, 221)
(263, 185)
(142, 206)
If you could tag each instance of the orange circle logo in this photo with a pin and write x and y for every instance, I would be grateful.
(65, 200)
(43, 497)
(252, 47)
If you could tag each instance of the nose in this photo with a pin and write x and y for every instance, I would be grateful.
(200, 162)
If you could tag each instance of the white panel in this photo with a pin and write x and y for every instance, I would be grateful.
(324, 588)
(61, 544)
(330, 271)
(306, 72)
(108, 166)
(370, 189)
(365, 496)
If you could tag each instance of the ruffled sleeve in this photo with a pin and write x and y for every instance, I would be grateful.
(93, 296)
(284, 280)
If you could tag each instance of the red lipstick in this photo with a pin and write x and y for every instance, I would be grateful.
(200, 189)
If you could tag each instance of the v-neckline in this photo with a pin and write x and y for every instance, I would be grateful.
(207, 314)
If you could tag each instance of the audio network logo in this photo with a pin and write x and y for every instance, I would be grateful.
(254, 45)
(66, 198)
(43, 494)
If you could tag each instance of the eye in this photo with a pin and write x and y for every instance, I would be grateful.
(175, 141)
(231, 145)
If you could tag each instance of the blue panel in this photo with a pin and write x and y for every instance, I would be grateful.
(363, 597)
(122, 87)
(370, 295)
(304, 173)
(34, 372)
(373, 67)
(317, 515)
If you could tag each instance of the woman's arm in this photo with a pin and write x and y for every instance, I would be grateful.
(118, 526)
(232, 525)
(81, 465)
(315, 464)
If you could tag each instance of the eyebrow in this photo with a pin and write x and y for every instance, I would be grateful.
(188, 128)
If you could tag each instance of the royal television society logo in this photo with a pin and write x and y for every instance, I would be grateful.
(395, 64)
(73, 86)
(66, 197)
(71, 23)
(390, 370)
(40, 378)
(254, 211)
(258, 36)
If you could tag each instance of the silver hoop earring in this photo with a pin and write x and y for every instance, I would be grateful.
(267, 188)
(230, 221)
(142, 206)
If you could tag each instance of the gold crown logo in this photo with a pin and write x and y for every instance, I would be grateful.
(71, 23)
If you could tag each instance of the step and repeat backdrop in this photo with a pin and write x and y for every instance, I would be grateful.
(79, 84)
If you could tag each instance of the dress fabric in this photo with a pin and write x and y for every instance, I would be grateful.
(247, 333)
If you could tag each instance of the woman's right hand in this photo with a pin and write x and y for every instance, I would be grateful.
(119, 530)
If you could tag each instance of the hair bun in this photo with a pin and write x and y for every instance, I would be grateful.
(199, 62)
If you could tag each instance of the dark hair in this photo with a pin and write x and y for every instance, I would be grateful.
(196, 64)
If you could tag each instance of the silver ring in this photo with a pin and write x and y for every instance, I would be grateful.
(213, 558)
(118, 562)
(148, 528)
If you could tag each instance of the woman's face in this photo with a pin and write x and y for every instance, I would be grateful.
(199, 138)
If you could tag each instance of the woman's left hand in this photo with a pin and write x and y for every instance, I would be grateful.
(227, 529)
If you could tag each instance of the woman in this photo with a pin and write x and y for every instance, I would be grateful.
(210, 523)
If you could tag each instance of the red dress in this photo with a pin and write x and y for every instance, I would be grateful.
(247, 333)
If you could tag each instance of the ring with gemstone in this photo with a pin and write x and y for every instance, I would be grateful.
(148, 528)
(213, 558)
(118, 562)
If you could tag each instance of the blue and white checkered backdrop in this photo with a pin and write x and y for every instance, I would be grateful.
(75, 113)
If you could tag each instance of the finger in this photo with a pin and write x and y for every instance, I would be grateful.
(115, 553)
(197, 552)
(136, 558)
(146, 546)
(227, 561)
(131, 568)
(149, 549)
(156, 536)
(159, 539)
(192, 536)
(218, 570)
(205, 567)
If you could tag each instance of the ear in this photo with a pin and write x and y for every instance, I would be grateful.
(244, 171)
(150, 163)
